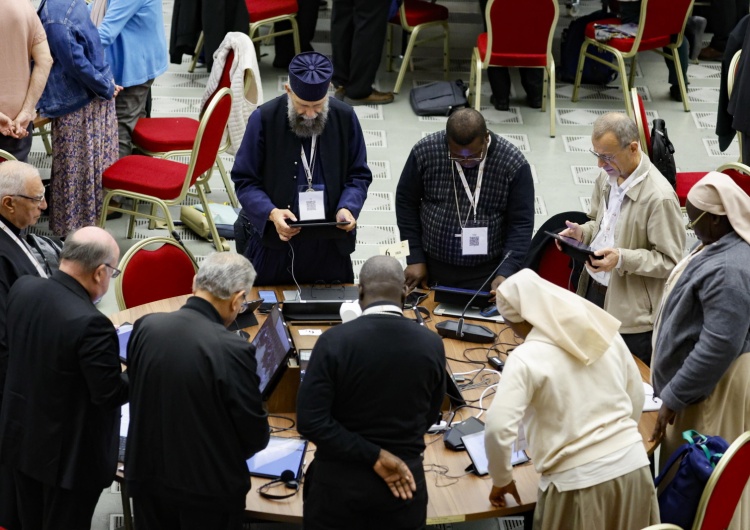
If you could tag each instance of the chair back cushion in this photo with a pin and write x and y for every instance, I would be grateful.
(263, 9)
(742, 179)
(208, 140)
(664, 18)
(518, 32)
(152, 275)
(225, 81)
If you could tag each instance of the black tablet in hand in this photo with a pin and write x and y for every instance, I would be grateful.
(574, 248)
(303, 224)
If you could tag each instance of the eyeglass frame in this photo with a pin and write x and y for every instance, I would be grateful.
(245, 304)
(691, 224)
(604, 158)
(115, 271)
(39, 199)
(482, 155)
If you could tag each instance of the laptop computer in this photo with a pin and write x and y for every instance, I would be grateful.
(273, 346)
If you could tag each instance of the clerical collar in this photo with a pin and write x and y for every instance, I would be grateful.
(13, 228)
(379, 308)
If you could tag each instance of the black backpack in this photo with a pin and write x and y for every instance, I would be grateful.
(662, 152)
(594, 73)
(439, 98)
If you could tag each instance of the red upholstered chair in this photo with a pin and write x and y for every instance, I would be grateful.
(661, 20)
(730, 85)
(415, 16)
(5, 155)
(163, 270)
(518, 34)
(163, 182)
(263, 13)
(685, 179)
(739, 172)
(167, 138)
(724, 487)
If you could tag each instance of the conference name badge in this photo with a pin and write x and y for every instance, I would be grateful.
(474, 240)
(311, 204)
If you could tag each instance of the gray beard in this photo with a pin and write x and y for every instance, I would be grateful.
(303, 127)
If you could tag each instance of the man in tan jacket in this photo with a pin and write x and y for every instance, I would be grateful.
(636, 230)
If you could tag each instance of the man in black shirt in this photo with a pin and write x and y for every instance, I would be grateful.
(372, 389)
(196, 411)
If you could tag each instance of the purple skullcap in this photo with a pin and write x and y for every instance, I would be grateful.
(309, 75)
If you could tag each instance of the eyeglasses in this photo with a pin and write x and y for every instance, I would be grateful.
(692, 223)
(603, 158)
(460, 159)
(245, 304)
(37, 199)
(115, 271)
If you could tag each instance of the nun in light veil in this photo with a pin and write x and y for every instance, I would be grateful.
(702, 331)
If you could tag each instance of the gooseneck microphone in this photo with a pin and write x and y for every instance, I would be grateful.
(470, 332)
(190, 254)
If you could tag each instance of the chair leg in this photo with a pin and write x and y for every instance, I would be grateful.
(579, 70)
(152, 222)
(680, 79)
(45, 133)
(295, 35)
(631, 77)
(475, 81)
(407, 58)
(545, 80)
(551, 95)
(218, 241)
(127, 514)
(131, 222)
(105, 205)
(446, 51)
(227, 183)
(196, 53)
(625, 89)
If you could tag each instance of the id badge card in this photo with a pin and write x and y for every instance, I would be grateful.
(474, 239)
(312, 203)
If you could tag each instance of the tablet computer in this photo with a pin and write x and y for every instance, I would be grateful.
(123, 336)
(281, 454)
(573, 248)
(458, 296)
(305, 224)
(474, 444)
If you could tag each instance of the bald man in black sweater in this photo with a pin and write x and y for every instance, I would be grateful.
(372, 389)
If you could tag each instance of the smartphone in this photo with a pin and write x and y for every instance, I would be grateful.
(269, 300)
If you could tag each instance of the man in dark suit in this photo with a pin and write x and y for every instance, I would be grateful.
(372, 389)
(60, 416)
(196, 411)
(21, 204)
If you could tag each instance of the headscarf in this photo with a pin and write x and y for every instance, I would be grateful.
(574, 324)
(718, 194)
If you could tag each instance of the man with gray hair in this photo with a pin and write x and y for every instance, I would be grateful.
(636, 230)
(372, 389)
(60, 416)
(195, 399)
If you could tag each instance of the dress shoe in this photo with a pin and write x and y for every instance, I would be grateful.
(500, 104)
(340, 93)
(535, 102)
(710, 54)
(375, 98)
(674, 93)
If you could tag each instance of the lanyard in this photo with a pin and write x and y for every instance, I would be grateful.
(309, 166)
(473, 199)
(25, 248)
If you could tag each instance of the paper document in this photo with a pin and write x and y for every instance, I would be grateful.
(651, 403)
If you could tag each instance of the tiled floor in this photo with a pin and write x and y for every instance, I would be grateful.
(563, 168)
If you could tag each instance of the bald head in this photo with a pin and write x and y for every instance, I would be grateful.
(381, 279)
(466, 125)
(90, 256)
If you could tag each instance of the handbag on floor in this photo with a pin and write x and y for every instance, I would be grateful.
(678, 502)
(439, 98)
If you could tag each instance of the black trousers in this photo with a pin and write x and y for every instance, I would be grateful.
(357, 37)
(441, 273)
(343, 496)
(639, 344)
(156, 513)
(307, 20)
(19, 148)
(44, 507)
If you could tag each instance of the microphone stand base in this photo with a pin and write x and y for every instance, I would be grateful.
(470, 332)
